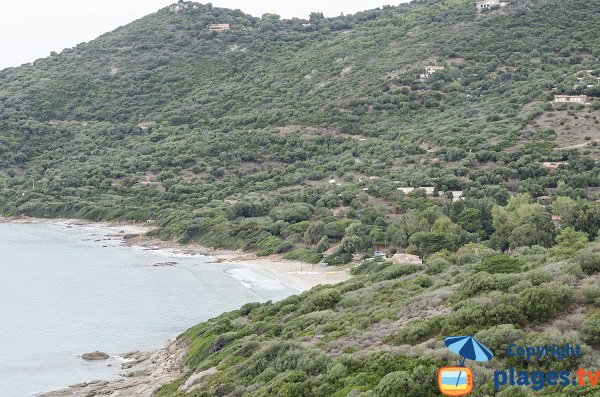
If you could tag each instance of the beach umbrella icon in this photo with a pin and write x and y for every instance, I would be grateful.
(469, 348)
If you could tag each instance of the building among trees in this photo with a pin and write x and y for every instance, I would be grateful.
(219, 27)
(488, 4)
(581, 99)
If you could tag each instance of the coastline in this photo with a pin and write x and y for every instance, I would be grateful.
(295, 275)
(142, 373)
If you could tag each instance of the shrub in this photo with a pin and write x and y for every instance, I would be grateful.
(303, 255)
(321, 300)
(498, 337)
(542, 303)
(397, 271)
(591, 294)
(573, 269)
(538, 277)
(370, 267)
(396, 384)
(423, 281)
(589, 262)
(436, 266)
(501, 264)
(248, 307)
(590, 330)
(338, 259)
(415, 332)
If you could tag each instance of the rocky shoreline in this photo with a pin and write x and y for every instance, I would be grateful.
(141, 375)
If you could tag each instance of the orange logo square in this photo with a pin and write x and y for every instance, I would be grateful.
(455, 381)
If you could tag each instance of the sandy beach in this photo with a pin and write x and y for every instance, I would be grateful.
(143, 372)
(296, 275)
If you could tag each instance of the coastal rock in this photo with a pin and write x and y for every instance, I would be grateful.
(160, 264)
(149, 372)
(95, 356)
(195, 381)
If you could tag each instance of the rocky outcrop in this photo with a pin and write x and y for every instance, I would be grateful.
(196, 380)
(95, 356)
(141, 375)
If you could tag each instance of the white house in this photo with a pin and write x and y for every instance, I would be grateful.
(406, 259)
(487, 4)
(406, 190)
(457, 195)
(581, 99)
(428, 190)
(219, 27)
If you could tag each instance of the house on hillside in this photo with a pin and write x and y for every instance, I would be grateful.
(545, 200)
(552, 165)
(489, 4)
(219, 27)
(431, 69)
(579, 99)
(457, 195)
(406, 190)
(406, 259)
(428, 190)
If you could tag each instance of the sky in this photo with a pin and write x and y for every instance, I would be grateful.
(31, 29)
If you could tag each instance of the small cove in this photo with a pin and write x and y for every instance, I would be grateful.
(67, 290)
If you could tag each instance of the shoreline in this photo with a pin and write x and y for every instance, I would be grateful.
(143, 373)
(296, 275)
(299, 276)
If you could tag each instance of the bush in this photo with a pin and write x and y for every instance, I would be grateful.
(589, 262)
(396, 384)
(591, 294)
(436, 266)
(538, 277)
(321, 300)
(498, 337)
(303, 255)
(415, 332)
(590, 330)
(501, 264)
(338, 259)
(543, 303)
(397, 271)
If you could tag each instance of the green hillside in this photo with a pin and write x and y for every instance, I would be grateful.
(294, 137)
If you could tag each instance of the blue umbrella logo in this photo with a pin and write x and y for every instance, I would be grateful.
(469, 348)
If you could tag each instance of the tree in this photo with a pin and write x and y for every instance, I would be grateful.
(521, 223)
(352, 244)
(470, 220)
(396, 384)
(570, 241)
(314, 233)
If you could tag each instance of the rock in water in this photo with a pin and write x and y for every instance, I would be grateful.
(95, 356)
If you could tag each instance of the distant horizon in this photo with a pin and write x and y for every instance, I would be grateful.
(31, 34)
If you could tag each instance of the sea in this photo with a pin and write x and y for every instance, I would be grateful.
(66, 290)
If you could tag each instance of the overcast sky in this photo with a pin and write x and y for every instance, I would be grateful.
(31, 29)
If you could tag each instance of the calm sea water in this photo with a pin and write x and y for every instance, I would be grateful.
(66, 291)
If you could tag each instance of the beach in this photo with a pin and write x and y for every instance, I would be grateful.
(141, 372)
(296, 275)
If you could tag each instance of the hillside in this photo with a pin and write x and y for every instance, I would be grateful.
(311, 139)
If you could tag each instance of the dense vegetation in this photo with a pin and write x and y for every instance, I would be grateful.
(292, 137)
(381, 333)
